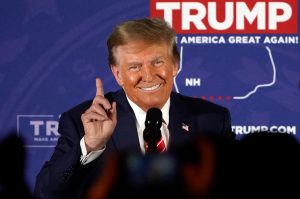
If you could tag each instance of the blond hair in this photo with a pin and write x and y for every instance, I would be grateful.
(148, 30)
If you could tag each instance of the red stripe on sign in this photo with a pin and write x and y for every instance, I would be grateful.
(228, 17)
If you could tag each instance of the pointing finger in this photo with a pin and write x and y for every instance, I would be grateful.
(99, 87)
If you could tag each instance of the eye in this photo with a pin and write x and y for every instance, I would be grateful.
(158, 62)
(134, 67)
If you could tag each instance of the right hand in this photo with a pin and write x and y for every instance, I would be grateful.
(99, 121)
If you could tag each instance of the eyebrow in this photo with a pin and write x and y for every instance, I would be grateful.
(133, 63)
(158, 57)
(140, 63)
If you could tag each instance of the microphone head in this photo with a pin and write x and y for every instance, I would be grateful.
(153, 117)
(153, 124)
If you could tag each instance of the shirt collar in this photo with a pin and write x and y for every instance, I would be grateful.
(140, 115)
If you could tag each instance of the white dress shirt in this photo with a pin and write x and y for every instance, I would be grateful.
(140, 117)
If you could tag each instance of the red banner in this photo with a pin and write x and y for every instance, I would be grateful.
(228, 17)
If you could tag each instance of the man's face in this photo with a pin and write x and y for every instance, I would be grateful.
(145, 71)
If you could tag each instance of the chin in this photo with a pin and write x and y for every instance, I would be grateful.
(152, 104)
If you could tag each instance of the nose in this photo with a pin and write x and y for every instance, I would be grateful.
(147, 73)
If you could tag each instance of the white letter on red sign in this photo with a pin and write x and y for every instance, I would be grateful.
(168, 10)
(243, 12)
(196, 19)
(273, 10)
(212, 16)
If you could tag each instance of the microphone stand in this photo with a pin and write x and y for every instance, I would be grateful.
(153, 137)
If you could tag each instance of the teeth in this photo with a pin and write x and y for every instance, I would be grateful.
(151, 88)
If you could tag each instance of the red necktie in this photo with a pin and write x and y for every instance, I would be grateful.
(160, 145)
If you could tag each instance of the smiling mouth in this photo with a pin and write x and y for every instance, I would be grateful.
(152, 88)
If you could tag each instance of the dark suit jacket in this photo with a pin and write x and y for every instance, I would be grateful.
(64, 168)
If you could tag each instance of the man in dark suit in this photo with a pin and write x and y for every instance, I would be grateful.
(144, 61)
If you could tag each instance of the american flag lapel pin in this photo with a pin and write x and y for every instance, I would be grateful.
(185, 127)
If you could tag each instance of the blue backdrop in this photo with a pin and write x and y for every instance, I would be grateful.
(51, 51)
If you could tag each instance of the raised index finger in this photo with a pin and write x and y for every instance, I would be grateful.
(99, 87)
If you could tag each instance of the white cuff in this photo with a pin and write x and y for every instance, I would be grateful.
(87, 158)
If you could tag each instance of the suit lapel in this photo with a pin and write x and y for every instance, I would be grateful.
(181, 122)
(125, 136)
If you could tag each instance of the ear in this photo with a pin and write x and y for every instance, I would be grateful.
(117, 74)
(175, 69)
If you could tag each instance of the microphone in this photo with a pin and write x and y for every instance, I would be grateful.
(152, 132)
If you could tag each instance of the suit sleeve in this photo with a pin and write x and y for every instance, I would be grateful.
(57, 173)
